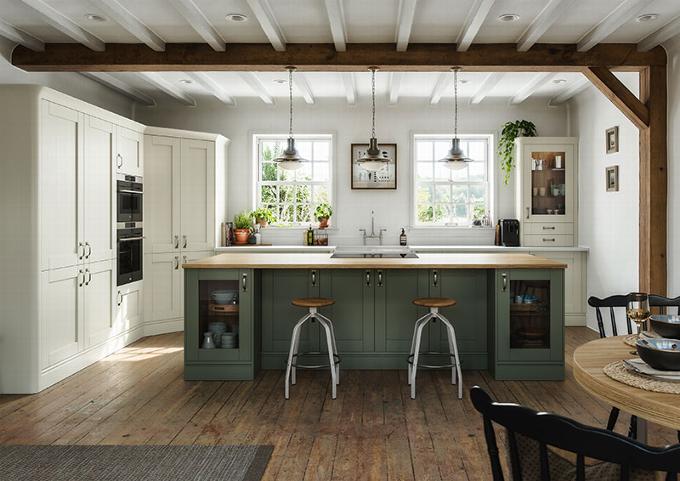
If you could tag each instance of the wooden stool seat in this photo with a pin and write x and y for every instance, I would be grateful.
(434, 302)
(312, 302)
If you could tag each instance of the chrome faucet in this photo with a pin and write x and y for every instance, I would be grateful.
(372, 235)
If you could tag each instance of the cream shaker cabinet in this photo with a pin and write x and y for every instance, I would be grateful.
(129, 152)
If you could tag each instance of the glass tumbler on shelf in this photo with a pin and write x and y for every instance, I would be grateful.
(637, 310)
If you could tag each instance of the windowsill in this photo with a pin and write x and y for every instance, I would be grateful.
(452, 228)
(295, 228)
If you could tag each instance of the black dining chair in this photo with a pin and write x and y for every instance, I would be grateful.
(530, 435)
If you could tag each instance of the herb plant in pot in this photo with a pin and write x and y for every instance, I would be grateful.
(506, 143)
(263, 216)
(323, 212)
(242, 225)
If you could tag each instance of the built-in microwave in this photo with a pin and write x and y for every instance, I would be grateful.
(130, 254)
(130, 203)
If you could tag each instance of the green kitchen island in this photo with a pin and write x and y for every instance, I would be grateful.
(509, 318)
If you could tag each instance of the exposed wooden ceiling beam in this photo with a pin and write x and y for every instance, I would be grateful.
(532, 86)
(570, 91)
(473, 22)
(439, 88)
(65, 25)
(394, 86)
(552, 12)
(622, 14)
(336, 19)
(350, 87)
(323, 57)
(257, 86)
(198, 21)
(19, 36)
(487, 86)
(407, 11)
(265, 16)
(155, 79)
(607, 83)
(132, 24)
(666, 32)
(300, 82)
(212, 87)
(119, 86)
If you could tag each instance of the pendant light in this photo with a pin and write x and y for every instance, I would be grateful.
(373, 160)
(455, 158)
(290, 158)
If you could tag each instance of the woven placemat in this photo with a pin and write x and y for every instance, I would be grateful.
(618, 371)
(630, 339)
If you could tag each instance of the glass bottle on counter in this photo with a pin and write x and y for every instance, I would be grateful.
(309, 236)
(402, 238)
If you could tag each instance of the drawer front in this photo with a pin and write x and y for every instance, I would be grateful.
(549, 240)
(549, 228)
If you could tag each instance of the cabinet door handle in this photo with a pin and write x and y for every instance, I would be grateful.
(505, 281)
(89, 250)
(184, 259)
(80, 273)
(548, 239)
(119, 160)
(176, 241)
(368, 278)
(184, 239)
(527, 212)
(435, 277)
(119, 298)
(244, 282)
(81, 253)
(380, 282)
(89, 277)
(548, 227)
(176, 262)
(313, 277)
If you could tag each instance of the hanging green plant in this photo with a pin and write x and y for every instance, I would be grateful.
(506, 144)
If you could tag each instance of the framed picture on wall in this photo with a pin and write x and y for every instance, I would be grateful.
(612, 177)
(385, 178)
(612, 140)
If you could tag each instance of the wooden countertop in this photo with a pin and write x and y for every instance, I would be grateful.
(251, 260)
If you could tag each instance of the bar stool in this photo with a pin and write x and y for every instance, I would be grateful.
(434, 304)
(313, 304)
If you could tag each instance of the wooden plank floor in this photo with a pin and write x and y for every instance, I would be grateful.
(372, 431)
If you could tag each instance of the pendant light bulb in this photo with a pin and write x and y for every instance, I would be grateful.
(455, 158)
(373, 159)
(290, 158)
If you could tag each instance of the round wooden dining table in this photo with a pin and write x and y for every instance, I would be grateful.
(593, 356)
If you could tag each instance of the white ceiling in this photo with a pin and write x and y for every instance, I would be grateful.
(307, 21)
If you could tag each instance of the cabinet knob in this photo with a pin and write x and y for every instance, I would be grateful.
(368, 278)
(380, 278)
(435, 277)
(313, 277)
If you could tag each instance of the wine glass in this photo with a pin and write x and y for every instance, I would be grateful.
(637, 309)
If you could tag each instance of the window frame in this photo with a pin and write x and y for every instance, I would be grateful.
(491, 181)
(256, 184)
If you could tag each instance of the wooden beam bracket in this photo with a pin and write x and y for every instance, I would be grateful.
(612, 88)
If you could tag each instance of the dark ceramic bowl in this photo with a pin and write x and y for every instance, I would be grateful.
(661, 354)
(666, 326)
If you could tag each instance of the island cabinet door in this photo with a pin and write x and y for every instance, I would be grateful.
(279, 316)
(469, 316)
(353, 312)
(529, 315)
(219, 315)
(395, 314)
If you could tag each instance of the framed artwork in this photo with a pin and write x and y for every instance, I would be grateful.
(612, 140)
(612, 177)
(385, 178)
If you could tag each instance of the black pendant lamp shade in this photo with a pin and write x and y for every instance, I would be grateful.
(290, 158)
(373, 159)
(455, 158)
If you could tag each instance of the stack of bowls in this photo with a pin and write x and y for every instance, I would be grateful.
(217, 328)
(228, 340)
(222, 297)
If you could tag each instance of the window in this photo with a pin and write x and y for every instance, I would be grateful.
(445, 197)
(292, 195)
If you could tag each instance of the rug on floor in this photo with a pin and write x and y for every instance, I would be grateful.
(134, 463)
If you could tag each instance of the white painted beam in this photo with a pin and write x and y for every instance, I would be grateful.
(443, 81)
(300, 82)
(198, 21)
(12, 33)
(118, 85)
(621, 15)
(536, 82)
(336, 19)
(553, 11)
(212, 87)
(350, 87)
(576, 87)
(407, 10)
(473, 22)
(265, 16)
(65, 25)
(254, 83)
(132, 24)
(394, 86)
(157, 80)
(666, 32)
(487, 86)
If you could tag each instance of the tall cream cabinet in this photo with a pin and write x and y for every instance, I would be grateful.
(59, 307)
(184, 193)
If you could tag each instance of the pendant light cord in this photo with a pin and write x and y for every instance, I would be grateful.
(373, 102)
(290, 102)
(455, 103)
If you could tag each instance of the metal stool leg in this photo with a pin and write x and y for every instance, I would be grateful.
(416, 351)
(293, 341)
(335, 347)
(453, 345)
(413, 342)
(331, 357)
(296, 347)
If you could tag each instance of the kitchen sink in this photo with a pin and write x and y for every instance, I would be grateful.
(384, 252)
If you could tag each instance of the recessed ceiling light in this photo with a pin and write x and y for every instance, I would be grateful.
(508, 17)
(236, 17)
(463, 81)
(559, 81)
(93, 17)
(186, 81)
(647, 17)
(280, 81)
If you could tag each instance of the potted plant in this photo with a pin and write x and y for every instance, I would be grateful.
(263, 216)
(242, 225)
(323, 212)
(506, 143)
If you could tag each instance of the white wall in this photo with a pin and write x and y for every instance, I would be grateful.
(608, 222)
(395, 123)
(69, 83)
(673, 250)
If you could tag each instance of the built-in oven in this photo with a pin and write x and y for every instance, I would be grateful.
(130, 253)
(130, 202)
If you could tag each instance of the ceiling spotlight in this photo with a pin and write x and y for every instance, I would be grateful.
(186, 81)
(236, 17)
(646, 17)
(93, 17)
(559, 81)
(463, 81)
(508, 17)
(280, 81)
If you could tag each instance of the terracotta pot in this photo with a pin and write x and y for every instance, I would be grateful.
(323, 222)
(241, 235)
(262, 222)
